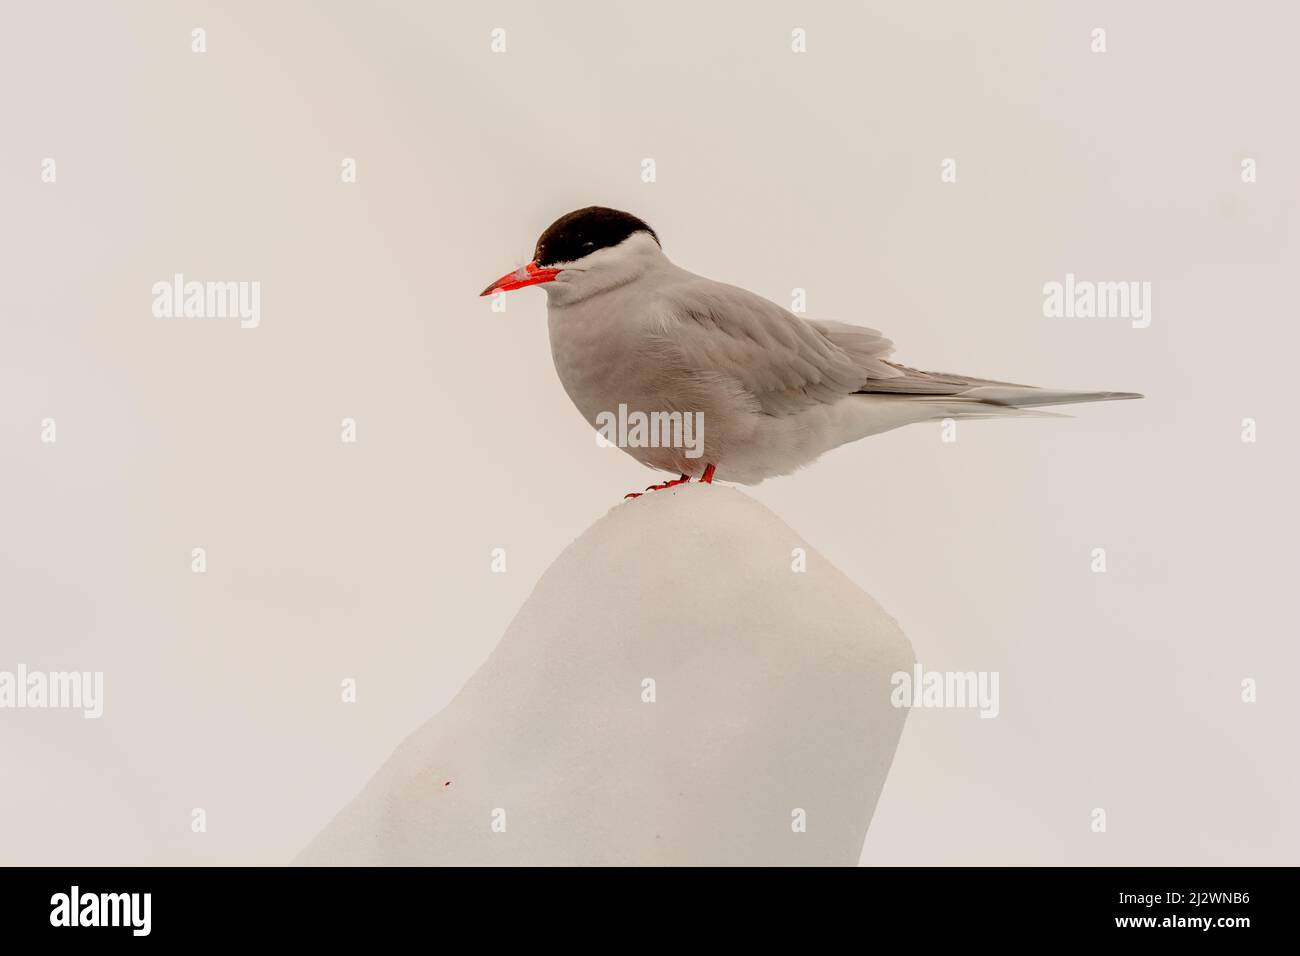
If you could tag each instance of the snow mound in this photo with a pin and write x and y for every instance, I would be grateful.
(672, 693)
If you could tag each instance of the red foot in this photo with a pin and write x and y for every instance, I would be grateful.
(706, 478)
(684, 479)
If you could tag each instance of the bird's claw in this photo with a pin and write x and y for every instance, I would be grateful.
(683, 480)
(668, 484)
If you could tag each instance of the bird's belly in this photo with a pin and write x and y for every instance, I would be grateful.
(679, 421)
(656, 414)
(595, 376)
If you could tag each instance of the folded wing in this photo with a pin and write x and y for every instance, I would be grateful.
(788, 364)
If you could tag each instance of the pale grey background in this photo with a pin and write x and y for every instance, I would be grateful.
(775, 170)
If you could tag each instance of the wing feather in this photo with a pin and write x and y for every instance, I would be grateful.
(787, 364)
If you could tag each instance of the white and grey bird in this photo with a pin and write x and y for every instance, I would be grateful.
(629, 328)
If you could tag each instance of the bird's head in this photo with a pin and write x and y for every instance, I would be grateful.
(586, 252)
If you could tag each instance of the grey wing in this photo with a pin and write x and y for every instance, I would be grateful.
(904, 380)
(785, 363)
(964, 388)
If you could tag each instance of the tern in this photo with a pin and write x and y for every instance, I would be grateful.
(631, 332)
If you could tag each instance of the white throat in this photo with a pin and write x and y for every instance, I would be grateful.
(604, 269)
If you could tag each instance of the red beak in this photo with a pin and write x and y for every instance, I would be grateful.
(531, 274)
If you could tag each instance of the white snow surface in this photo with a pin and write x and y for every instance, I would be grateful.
(771, 696)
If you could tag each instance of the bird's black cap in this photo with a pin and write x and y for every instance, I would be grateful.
(583, 231)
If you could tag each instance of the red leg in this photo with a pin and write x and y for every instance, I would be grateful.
(707, 477)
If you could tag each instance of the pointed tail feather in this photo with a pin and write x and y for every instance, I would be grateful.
(1022, 396)
(951, 406)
